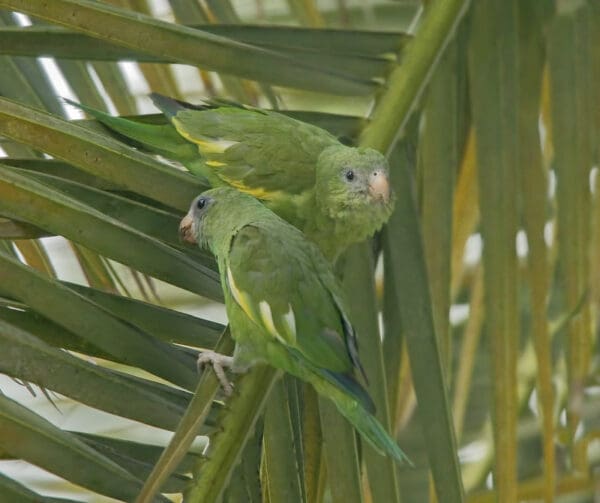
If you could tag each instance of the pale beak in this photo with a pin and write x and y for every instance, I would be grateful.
(379, 186)
(186, 229)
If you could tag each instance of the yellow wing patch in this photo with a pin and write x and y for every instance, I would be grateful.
(265, 315)
(258, 192)
(205, 144)
(240, 297)
(215, 164)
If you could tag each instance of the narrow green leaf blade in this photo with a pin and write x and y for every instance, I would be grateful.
(340, 449)
(439, 159)
(31, 76)
(494, 93)
(98, 154)
(11, 229)
(248, 486)
(408, 81)
(192, 46)
(30, 437)
(359, 286)
(25, 357)
(237, 423)
(335, 41)
(60, 169)
(147, 453)
(92, 322)
(404, 249)
(569, 65)
(50, 332)
(17, 493)
(164, 324)
(188, 427)
(155, 222)
(534, 198)
(175, 483)
(312, 47)
(279, 451)
(55, 211)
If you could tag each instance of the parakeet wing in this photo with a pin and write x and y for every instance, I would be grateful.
(256, 151)
(274, 279)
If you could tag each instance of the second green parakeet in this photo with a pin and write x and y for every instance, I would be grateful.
(284, 304)
(336, 194)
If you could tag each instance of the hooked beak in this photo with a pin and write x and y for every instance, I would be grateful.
(379, 186)
(186, 229)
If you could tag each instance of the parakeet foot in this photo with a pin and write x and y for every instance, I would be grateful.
(218, 362)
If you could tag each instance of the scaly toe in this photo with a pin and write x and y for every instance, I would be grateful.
(219, 362)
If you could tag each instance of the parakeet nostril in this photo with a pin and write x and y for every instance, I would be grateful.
(186, 229)
(379, 186)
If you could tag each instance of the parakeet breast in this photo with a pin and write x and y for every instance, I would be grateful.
(334, 233)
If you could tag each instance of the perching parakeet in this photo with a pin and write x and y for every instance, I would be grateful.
(337, 195)
(283, 303)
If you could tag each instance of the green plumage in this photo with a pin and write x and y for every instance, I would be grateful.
(284, 303)
(337, 195)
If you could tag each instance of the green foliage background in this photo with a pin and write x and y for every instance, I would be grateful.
(490, 113)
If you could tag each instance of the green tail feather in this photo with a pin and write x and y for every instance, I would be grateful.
(366, 424)
(352, 387)
(353, 403)
(372, 430)
(159, 139)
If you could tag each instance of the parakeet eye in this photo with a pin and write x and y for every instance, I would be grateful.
(201, 203)
(349, 175)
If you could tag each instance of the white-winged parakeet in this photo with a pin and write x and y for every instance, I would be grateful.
(284, 304)
(336, 194)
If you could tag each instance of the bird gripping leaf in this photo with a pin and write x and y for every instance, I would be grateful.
(284, 303)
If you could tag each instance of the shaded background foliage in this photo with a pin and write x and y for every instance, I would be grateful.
(476, 305)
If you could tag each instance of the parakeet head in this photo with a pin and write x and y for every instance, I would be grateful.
(354, 181)
(216, 214)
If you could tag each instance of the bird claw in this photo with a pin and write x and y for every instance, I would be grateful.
(218, 362)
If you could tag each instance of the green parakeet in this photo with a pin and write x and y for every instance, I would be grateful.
(337, 195)
(284, 303)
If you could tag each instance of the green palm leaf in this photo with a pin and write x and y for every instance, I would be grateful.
(480, 108)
